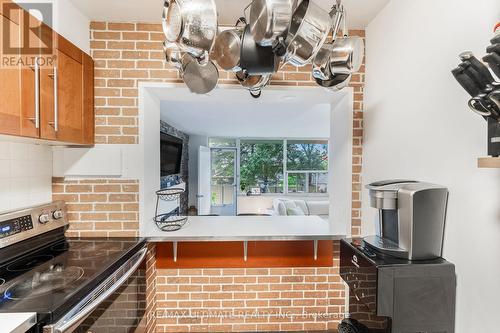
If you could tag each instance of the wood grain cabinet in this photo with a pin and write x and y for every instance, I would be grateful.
(47, 100)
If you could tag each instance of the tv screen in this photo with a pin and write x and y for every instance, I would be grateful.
(170, 155)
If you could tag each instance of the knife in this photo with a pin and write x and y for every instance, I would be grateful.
(493, 48)
(493, 59)
(496, 39)
(478, 66)
(480, 81)
(466, 82)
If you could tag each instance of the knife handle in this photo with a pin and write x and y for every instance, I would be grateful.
(484, 73)
(496, 39)
(493, 48)
(466, 82)
(493, 59)
(480, 81)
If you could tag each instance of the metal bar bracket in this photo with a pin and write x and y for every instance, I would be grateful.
(245, 250)
(315, 249)
(174, 248)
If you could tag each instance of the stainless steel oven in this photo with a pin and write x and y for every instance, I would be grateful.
(116, 305)
(93, 285)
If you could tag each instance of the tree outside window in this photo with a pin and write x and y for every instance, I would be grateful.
(261, 166)
(307, 166)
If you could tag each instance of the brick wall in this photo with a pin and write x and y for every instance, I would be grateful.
(126, 54)
(100, 207)
(252, 299)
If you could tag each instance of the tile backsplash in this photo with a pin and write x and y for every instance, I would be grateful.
(25, 175)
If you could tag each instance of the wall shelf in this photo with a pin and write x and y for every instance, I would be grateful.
(488, 162)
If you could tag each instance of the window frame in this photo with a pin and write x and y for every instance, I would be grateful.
(284, 142)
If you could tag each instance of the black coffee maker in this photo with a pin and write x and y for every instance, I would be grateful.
(394, 295)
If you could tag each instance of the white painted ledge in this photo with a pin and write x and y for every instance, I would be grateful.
(17, 322)
(248, 228)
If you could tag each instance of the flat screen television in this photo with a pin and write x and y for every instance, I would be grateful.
(170, 155)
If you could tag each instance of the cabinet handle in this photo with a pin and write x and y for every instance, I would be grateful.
(56, 107)
(37, 93)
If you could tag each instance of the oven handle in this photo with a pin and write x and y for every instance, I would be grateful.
(69, 323)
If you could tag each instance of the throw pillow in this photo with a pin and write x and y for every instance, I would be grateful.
(297, 211)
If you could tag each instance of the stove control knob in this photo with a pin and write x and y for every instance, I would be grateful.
(44, 218)
(57, 214)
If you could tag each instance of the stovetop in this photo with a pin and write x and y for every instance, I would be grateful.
(51, 280)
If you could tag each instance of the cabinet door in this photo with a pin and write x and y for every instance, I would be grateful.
(88, 100)
(48, 93)
(69, 99)
(10, 82)
(30, 78)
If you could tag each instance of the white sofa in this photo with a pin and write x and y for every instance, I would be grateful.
(291, 207)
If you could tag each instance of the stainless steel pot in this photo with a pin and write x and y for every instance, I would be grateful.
(256, 59)
(307, 33)
(191, 24)
(347, 55)
(335, 82)
(321, 63)
(270, 19)
(227, 47)
(199, 77)
(173, 54)
(253, 83)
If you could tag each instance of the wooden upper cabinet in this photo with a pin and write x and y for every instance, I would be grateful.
(53, 100)
(10, 81)
(88, 100)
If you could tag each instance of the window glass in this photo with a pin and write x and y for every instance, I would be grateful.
(261, 165)
(221, 142)
(307, 155)
(223, 176)
(296, 183)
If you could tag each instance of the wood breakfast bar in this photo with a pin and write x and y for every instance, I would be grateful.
(247, 241)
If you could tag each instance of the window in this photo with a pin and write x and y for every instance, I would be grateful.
(307, 166)
(276, 166)
(221, 142)
(223, 176)
(261, 165)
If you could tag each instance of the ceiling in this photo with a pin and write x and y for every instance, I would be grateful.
(245, 120)
(360, 12)
(232, 112)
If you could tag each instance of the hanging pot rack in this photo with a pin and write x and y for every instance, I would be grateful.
(301, 30)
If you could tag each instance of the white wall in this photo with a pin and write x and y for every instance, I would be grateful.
(195, 141)
(69, 22)
(417, 125)
(25, 175)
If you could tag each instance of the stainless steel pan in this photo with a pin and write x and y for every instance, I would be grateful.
(347, 55)
(256, 59)
(270, 19)
(191, 24)
(307, 33)
(253, 83)
(200, 77)
(173, 54)
(227, 47)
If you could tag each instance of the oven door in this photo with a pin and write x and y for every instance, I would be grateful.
(119, 301)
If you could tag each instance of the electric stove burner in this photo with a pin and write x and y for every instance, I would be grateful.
(2, 282)
(26, 264)
(55, 278)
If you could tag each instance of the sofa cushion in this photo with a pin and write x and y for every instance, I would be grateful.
(302, 204)
(279, 207)
(318, 207)
(297, 211)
